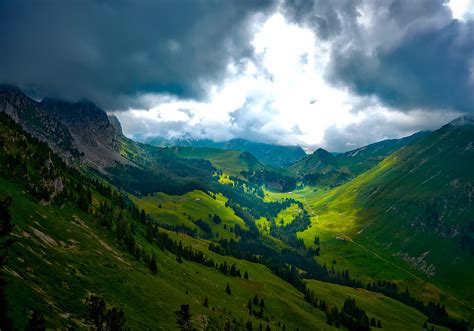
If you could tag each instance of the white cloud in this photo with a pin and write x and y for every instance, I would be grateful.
(280, 96)
(462, 9)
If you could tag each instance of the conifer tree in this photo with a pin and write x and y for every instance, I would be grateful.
(183, 318)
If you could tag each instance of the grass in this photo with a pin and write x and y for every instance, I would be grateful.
(186, 209)
(370, 249)
(228, 161)
(392, 314)
(287, 215)
(61, 257)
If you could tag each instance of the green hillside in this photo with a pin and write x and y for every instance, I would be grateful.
(231, 162)
(268, 154)
(68, 246)
(146, 247)
(324, 169)
(411, 209)
(362, 159)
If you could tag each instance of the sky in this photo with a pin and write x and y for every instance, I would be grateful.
(333, 74)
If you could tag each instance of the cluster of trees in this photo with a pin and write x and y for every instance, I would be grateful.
(330, 179)
(246, 187)
(241, 200)
(255, 302)
(287, 233)
(287, 264)
(350, 316)
(103, 318)
(164, 242)
(230, 271)
(271, 179)
(184, 321)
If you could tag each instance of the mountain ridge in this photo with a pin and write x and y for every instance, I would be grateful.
(273, 155)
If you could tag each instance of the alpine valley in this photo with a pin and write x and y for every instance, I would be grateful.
(99, 231)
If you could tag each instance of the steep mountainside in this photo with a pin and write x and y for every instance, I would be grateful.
(76, 130)
(90, 128)
(320, 161)
(416, 206)
(362, 159)
(273, 155)
(84, 135)
(30, 115)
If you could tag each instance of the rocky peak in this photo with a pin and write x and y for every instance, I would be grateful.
(93, 134)
(324, 156)
(76, 130)
(115, 123)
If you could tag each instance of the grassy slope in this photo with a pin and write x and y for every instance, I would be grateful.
(365, 259)
(286, 216)
(393, 314)
(55, 269)
(183, 210)
(381, 214)
(364, 158)
(229, 161)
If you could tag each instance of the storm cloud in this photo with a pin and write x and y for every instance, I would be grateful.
(108, 50)
(335, 74)
(410, 54)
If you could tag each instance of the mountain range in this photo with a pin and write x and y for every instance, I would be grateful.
(110, 233)
(273, 155)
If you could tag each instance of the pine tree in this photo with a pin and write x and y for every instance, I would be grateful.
(379, 324)
(228, 290)
(183, 318)
(246, 275)
(255, 300)
(262, 303)
(205, 303)
(372, 322)
(152, 264)
(36, 322)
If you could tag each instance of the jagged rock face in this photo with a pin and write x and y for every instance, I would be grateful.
(39, 124)
(77, 130)
(90, 128)
(116, 124)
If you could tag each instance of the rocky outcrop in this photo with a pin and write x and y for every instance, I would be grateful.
(28, 113)
(76, 130)
(94, 136)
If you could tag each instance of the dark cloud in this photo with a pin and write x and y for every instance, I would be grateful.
(327, 18)
(430, 69)
(105, 50)
(378, 126)
(412, 54)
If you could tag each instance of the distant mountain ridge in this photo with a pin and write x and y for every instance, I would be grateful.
(273, 155)
(326, 169)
